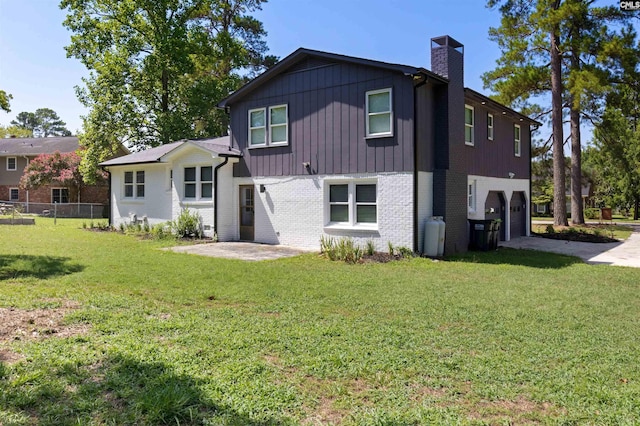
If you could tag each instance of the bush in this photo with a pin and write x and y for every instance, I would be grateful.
(161, 231)
(370, 248)
(592, 213)
(343, 249)
(550, 229)
(187, 224)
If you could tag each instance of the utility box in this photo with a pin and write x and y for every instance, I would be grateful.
(480, 234)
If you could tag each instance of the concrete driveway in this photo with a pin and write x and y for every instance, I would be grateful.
(241, 251)
(625, 253)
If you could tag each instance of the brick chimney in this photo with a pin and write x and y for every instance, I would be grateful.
(450, 174)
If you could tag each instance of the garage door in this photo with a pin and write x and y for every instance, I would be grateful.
(494, 207)
(518, 209)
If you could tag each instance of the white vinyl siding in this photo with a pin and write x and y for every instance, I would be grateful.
(379, 106)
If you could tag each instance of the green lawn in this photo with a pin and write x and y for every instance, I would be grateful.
(155, 337)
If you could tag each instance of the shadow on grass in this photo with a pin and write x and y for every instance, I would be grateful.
(119, 390)
(17, 266)
(518, 257)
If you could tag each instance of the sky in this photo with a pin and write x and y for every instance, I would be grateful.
(34, 67)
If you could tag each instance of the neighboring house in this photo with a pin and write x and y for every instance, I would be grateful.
(326, 144)
(16, 153)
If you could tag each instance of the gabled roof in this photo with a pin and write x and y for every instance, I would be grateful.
(218, 146)
(37, 146)
(303, 53)
(484, 100)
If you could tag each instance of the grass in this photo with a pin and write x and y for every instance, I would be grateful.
(619, 232)
(168, 338)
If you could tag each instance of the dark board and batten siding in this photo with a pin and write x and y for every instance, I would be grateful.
(496, 158)
(326, 104)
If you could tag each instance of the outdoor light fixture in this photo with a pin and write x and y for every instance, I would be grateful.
(511, 175)
(262, 188)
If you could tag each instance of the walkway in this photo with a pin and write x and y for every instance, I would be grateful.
(241, 251)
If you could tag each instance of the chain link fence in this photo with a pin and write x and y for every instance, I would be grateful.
(75, 210)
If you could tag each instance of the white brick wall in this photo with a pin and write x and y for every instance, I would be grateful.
(292, 210)
(485, 184)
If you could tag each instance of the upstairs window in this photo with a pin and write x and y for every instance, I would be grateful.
(269, 129)
(468, 125)
(490, 127)
(12, 164)
(257, 127)
(516, 140)
(379, 120)
(278, 126)
(134, 184)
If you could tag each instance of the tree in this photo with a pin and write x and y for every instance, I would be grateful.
(551, 47)
(62, 169)
(43, 123)
(4, 101)
(15, 132)
(158, 68)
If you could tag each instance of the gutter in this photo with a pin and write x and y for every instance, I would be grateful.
(416, 224)
(215, 193)
(532, 129)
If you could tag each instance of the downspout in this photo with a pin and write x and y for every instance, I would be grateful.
(109, 210)
(26, 158)
(215, 193)
(416, 224)
(530, 206)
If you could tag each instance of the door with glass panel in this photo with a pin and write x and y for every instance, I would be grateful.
(246, 213)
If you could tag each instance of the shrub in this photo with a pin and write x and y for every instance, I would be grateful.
(550, 229)
(405, 252)
(161, 231)
(592, 213)
(391, 248)
(187, 224)
(343, 249)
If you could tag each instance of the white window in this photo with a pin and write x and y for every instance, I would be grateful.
(516, 140)
(257, 127)
(541, 208)
(12, 163)
(468, 125)
(353, 204)
(134, 184)
(471, 196)
(490, 127)
(14, 194)
(198, 182)
(379, 120)
(59, 195)
(278, 125)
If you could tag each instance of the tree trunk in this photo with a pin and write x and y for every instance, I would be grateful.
(559, 187)
(637, 207)
(165, 106)
(577, 208)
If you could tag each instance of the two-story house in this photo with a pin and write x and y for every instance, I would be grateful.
(327, 144)
(15, 155)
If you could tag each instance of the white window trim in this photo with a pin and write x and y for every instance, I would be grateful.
(471, 196)
(15, 162)
(134, 184)
(351, 224)
(370, 135)
(60, 188)
(268, 127)
(14, 189)
(266, 120)
(198, 182)
(286, 126)
(490, 127)
(472, 125)
(517, 142)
